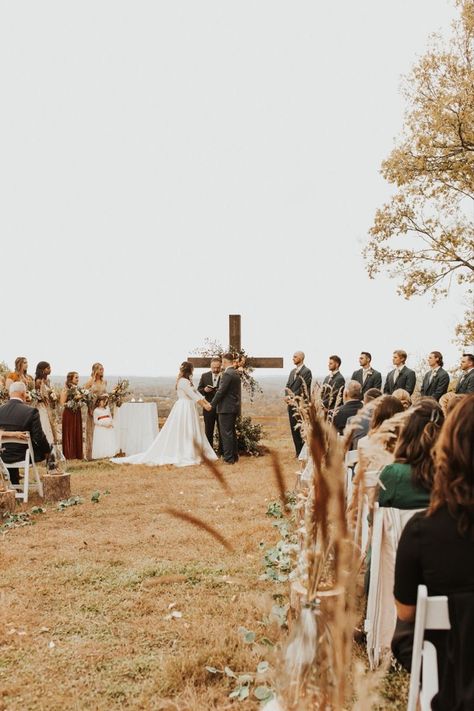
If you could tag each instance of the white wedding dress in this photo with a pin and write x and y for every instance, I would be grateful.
(181, 441)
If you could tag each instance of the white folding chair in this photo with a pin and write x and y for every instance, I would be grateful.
(352, 457)
(22, 490)
(432, 613)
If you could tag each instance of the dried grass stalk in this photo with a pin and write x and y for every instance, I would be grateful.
(199, 523)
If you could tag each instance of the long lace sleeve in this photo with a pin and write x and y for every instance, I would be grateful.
(189, 391)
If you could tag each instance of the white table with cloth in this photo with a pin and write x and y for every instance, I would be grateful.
(136, 425)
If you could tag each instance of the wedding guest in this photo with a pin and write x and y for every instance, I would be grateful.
(44, 402)
(226, 402)
(448, 401)
(436, 549)
(20, 374)
(400, 376)
(436, 380)
(407, 483)
(298, 386)
(404, 397)
(376, 449)
(208, 385)
(16, 416)
(97, 386)
(466, 381)
(358, 425)
(352, 398)
(333, 385)
(367, 376)
(72, 418)
(104, 443)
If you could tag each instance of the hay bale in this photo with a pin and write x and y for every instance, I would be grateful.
(7, 501)
(56, 487)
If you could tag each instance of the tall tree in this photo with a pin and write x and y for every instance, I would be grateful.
(424, 236)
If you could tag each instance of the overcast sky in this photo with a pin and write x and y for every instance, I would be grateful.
(164, 164)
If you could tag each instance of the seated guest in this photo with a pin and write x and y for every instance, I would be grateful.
(407, 483)
(333, 384)
(465, 384)
(358, 425)
(403, 396)
(436, 549)
(352, 404)
(367, 376)
(375, 451)
(400, 376)
(448, 401)
(436, 380)
(15, 416)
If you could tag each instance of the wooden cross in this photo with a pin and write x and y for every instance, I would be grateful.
(235, 345)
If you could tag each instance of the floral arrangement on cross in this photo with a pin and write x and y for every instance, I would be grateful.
(213, 349)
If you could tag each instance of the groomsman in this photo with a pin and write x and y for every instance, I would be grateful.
(367, 376)
(401, 376)
(436, 380)
(208, 387)
(466, 381)
(226, 402)
(299, 384)
(333, 384)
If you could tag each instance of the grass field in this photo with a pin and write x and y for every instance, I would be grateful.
(117, 605)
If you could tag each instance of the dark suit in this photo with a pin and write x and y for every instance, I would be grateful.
(349, 409)
(17, 416)
(210, 418)
(226, 402)
(438, 386)
(300, 385)
(331, 393)
(406, 381)
(466, 384)
(373, 380)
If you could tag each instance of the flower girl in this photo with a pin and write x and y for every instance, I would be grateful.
(104, 443)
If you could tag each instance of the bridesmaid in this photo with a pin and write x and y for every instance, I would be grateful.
(20, 374)
(98, 386)
(43, 388)
(72, 419)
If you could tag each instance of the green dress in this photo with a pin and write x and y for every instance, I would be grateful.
(399, 492)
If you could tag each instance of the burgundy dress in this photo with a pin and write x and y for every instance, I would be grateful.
(72, 434)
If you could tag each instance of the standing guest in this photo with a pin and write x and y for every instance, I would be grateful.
(400, 376)
(352, 404)
(404, 397)
(98, 386)
(367, 376)
(208, 385)
(333, 384)
(436, 549)
(72, 417)
(226, 402)
(16, 416)
(407, 483)
(104, 443)
(43, 404)
(465, 385)
(20, 374)
(436, 380)
(299, 385)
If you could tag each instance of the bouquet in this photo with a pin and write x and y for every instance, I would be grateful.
(76, 397)
(119, 393)
(4, 395)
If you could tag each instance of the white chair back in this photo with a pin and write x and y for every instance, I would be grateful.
(25, 464)
(432, 613)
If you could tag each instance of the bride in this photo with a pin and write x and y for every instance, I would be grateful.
(182, 440)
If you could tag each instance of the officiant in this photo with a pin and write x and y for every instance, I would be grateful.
(208, 387)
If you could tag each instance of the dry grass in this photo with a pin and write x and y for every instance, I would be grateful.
(85, 593)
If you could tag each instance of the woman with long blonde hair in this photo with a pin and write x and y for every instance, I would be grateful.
(97, 386)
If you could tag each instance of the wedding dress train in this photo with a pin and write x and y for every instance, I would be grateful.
(181, 440)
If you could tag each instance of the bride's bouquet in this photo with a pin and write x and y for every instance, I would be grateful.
(119, 393)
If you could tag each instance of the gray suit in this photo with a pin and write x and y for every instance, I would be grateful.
(300, 386)
(373, 380)
(226, 402)
(331, 392)
(406, 381)
(466, 383)
(438, 386)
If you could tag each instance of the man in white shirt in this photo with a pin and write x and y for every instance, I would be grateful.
(208, 386)
(401, 377)
(436, 380)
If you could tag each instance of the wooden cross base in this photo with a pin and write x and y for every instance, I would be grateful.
(56, 487)
(7, 501)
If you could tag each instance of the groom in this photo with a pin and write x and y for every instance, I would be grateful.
(226, 402)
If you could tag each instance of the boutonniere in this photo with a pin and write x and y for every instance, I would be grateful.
(370, 372)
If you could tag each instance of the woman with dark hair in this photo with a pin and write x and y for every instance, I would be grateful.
(436, 549)
(182, 440)
(72, 417)
(407, 483)
(45, 402)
